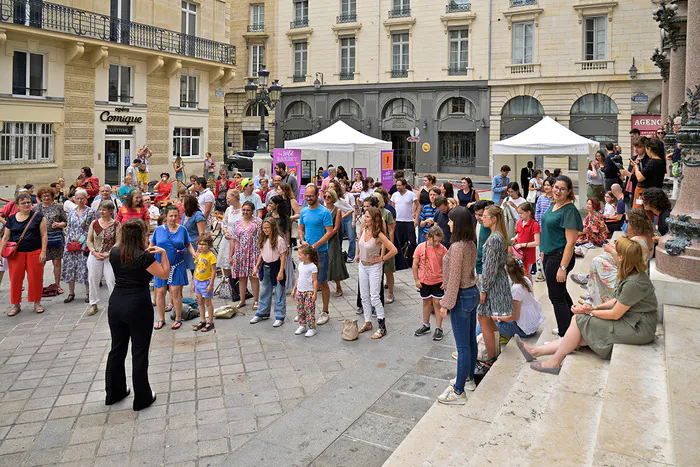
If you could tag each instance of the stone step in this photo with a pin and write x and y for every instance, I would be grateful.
(634, 426)
(681, 331)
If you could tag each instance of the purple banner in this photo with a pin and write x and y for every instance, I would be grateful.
(387, 169)
(292, 159)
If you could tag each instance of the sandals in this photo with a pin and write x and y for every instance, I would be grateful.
(199, 326)
(379, 333)
(365, 327)
(338, 293)
(70, 298)
(389, 299)
(60, 291)
(159, 324)
(255, 305)
(39, 309)
(87, 298)
(240, 304)
(177, 324)
(208, 327)
(169, 307)
(14, 310)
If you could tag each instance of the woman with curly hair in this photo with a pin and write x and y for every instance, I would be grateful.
(656, 202)
(594, 229)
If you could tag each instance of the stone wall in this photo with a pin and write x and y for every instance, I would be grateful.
(79, 128)
(158, 117)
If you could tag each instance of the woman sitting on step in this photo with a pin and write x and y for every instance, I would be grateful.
(629, 318)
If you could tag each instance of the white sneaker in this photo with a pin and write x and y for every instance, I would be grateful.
(323, 319)
(255, 319)
(296, 319)
(310, 333)
(300, 330)
(469, 385)
(555, 331)
(580, 279)
(277, 323)
(449, 397)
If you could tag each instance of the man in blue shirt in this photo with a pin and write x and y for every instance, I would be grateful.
(499, 184)
(315, 228)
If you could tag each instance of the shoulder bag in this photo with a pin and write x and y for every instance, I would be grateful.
(75, 247)
(55, 236)
(11, 247)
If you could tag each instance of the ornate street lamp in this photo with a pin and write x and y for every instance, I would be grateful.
(258, 93)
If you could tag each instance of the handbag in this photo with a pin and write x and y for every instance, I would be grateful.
(349, 331)
(74, 247)
(11, 247)
(55, 239)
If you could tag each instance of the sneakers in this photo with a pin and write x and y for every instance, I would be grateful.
(359, 310)
(580, 279)
(438, 334)
(450, 397)
(425, 329)
(323, 319)
(454, 355)
(257, 319)
(277, 323)
(310, 333)
(469, 385)
(300, 330)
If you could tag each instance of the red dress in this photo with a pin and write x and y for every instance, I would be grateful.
(125, 214)
(526, 234)
(164, 190)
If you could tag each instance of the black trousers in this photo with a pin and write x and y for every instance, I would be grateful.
(558, 295)
(130, 318)
(404, 235)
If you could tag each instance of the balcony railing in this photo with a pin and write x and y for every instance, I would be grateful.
(299, 23)
(299, 78)
(346, 18)
(347, 75)
(399, 12)
(399, 73)
(457, 71)
(517, 3)
(67, 20)
(256, 27)
(454, 7)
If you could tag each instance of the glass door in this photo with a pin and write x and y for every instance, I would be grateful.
(113, 149)
(120, 19)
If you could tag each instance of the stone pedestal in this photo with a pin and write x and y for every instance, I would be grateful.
(262, 160)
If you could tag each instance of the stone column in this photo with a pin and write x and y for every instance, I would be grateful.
(664, 102)
(676, 79)
(692, 60)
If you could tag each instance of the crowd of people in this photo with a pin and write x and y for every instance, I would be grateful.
(529, 231)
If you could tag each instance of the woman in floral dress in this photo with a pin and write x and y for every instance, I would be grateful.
(231, 216)
(245, 251)
(595, 230)
(74, 267)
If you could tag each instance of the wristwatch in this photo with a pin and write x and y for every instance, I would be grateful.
(563, 268)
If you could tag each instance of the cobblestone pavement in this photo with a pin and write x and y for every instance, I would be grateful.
(243, 395)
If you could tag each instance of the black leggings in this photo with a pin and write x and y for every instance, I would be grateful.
(558, 295)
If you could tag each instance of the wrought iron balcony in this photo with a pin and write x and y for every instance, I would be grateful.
(346, 18)
(456, 7)
(256, 27)
(347, 75)
(299, 78)
(399, 73)
(299, 23)
(516, 3)
(457, 70)
(399, 12)
(68, 20)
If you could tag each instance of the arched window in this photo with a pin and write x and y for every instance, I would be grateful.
(523, 105)
(399, 108)
(594, 104)
(457, 107)
(253, 111)
(346, 108)
(298, 109)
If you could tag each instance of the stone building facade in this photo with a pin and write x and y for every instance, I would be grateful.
(92, 82)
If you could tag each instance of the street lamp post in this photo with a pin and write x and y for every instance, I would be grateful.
(258, 93)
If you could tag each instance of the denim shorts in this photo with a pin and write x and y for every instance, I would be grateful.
(323, 266)
(200, 287)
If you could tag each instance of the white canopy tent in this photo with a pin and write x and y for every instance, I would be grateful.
(344, 146)
(546, 138)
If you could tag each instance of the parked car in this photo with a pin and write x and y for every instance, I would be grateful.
(242, 161)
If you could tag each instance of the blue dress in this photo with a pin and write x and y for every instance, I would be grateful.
(175, 245)
(191, 226)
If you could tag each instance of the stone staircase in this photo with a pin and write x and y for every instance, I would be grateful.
(640, 408)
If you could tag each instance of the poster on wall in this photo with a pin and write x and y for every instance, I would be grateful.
(646, 124)
(292, 159)
(387, 169)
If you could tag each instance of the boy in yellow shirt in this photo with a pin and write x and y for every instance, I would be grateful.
(204, 276)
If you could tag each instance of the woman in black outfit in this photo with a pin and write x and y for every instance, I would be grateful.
(467, 195)
(130, 313)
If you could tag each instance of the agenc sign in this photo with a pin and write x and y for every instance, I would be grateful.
(646, 124)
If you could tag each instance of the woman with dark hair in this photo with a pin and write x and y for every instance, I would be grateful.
(342, 175)
(429, 181)
(133, 208)
(595, 230)
(447, 190)
(278, 210)
(88, 182)
(650, 171)
(658, 206)
(285, 191)
(461, 298)
(164, 189)
(194, 221)
(74, 265)
(358, 178)
(594, 178)
(534, 187)
(130, 313)
(367, 190)
(545, 200)
(103, 234)
(560, 227)
(28, 231)
(467, 195)
(245, 252)
(56, 222)
(222, 185)
(175, 240)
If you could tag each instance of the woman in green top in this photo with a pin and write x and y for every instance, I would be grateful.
(560, 227)
(629, 318)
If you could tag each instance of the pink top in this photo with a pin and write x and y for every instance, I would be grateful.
(270, 255)
(430, 263)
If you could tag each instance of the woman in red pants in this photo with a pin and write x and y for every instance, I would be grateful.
(29, 230)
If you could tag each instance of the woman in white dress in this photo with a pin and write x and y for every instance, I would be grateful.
(231, 215)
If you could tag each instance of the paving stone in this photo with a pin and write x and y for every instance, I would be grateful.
(112, 446)
(148, 442)
(212, 431)
(179, 436)
(33, 416)
(362, 453)
(25, 429)
(10, 446)
(212, 447)
(181, 453)
(44, 457)
(241, 427)
(80, 452)
(86, 435)
(181, 421)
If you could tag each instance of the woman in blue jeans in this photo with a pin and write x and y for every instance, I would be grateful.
(461, 298)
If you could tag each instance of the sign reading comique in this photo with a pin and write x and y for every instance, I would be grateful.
(106, 116)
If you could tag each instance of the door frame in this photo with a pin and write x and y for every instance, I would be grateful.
(122, 140)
